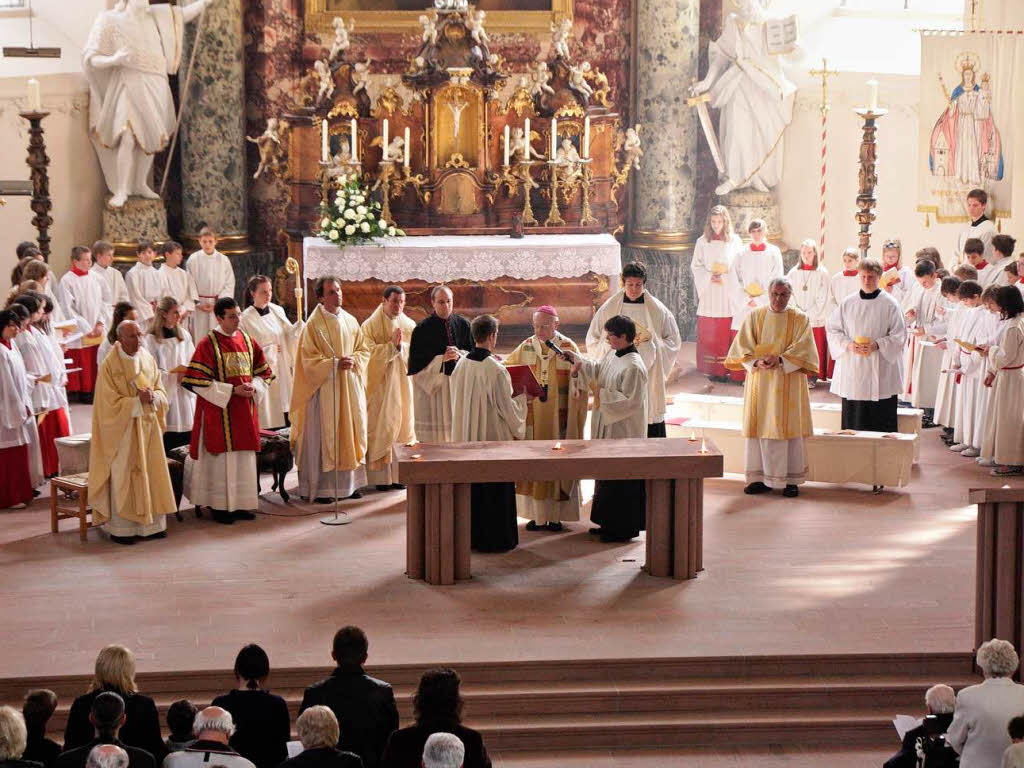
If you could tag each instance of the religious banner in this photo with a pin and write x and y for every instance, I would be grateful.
(966, 124)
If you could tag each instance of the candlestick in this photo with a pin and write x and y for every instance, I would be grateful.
(554, 138)
(554, 218)
(528, 184)
(586, 137)
(406, 163)
(354, 140)
(325, 151)
(873, 90)
(39, 162)
(507, 139)
(867, 177)
(35, 100)
(586, 217)
(384, 146)
(527, 153)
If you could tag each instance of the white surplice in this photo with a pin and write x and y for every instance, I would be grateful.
(984, 229)
(178, 283)
(753, 268)
(145, 288)
(483, 407)
(277, 337)
(811, 291)
(1004, 428)
(987, 332)
(620, 384)
(171, 353)
(714, 299)
(842, 285)
(114, 288)
(17, 422)
(996, 275)
(432, 403)
(966, 392)
(214, 278)
(58, 373)
(82, 299)
(657, 340)
(877, 376)
(923, 362)
(34, 348)
(945, 398)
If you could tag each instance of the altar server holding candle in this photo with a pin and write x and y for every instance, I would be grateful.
(712, 265)
(811, 287)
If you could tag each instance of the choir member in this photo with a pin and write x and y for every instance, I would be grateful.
(969, 294)
(123, 310)
(1020, 272)
(1002, 253)
(55, 354)
(931, 253)
(843, 283)
(923, 362)
(145, 286)
(657, 338)
(559, 415)
(436, 345)
(964, 272)
(777, 348)
(755, 266)
(48, 281)
(114, 288)
(40, 273)
(328, 405)
(81, 295)
(892, 259)
(277, 336)
(974, 253)
(214, 278)
(177, 282)
(389, 396)
(947, 329)
(712, 265)
(1004, 429)
(981, 227)
(986, 334)
(484, 409)
(811, 286)
(619, 381)
(17, 421)
(1012, 273)
(129, 484)
(230, 377)
(172, 348)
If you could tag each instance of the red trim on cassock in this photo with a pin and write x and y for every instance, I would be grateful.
(713, 344)
(85, 379)
(54, 424)
(15, 485)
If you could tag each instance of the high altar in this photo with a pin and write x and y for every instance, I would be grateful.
(457, 159)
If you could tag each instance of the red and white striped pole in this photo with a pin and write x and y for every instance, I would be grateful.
(824, 73)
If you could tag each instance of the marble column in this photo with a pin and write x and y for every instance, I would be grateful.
(663, 219)
(213, 149)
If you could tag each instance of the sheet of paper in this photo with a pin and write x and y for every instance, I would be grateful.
(295, 747)
(72, 338)
(905, 723)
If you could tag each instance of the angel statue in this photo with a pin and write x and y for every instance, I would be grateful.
(578, 80)
(631, 146)
(560, 37)
(521, 148)
(270, 147)
(451, 5)
(429, 24)
(341, 42)
(568, 157)
(323, 74)
(396, 150)
(476, 28)
(361, 76)
(541, 76)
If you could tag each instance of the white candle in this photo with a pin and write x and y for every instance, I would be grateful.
(354, 134)
(586, 137)
(554, 138)
(35, 100)
(873, 89)
(325, 152)
(526, 149)
(407, 147)
(507, 139)
(385, 145)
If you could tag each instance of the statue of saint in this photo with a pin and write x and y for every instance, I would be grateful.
(130, 52)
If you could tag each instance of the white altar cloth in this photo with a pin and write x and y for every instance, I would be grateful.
(439, 258)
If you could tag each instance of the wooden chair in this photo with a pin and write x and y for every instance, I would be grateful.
(72, 508)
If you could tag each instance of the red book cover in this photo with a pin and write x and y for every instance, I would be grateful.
(523, 380)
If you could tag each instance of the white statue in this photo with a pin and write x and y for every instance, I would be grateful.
(569, 159)
(361, 76)
(578, 80)
(750, 88)
(130, 52)
(341, 42)
(396, 150)
(560, 37)
(270, 146)
(323, 74)
(521, 148)
(429, 24)
(451, 5)
(475, 21)
(541, 76)
(631, 146)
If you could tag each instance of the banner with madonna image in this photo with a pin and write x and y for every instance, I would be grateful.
(966, 121)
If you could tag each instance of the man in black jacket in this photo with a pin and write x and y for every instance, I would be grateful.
(940, 700)
(107, 716)
(364, 706)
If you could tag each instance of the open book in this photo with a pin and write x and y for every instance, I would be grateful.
(523, 380)
(781, 35)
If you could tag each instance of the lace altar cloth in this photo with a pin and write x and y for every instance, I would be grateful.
(440, 258)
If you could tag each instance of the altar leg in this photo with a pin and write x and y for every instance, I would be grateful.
(462, 532)
(415, 531)
(439, 539)
(675, 529)
(659, 527)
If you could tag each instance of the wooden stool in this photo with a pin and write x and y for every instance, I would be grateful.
(71, 484)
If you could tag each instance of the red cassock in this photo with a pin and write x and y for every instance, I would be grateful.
(235, 360)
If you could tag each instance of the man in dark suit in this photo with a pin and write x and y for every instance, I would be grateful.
(364, 706)
(940, 700)
(107, 717)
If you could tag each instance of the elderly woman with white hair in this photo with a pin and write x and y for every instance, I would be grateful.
(940, 701)
(318, 731)
(443, 750)
(213, 728)
(978, 731)
(13, 739)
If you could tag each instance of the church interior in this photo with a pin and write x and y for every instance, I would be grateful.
(559, 382)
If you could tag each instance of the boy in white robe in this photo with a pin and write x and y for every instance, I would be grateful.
(922, 361)
(1002, 255)
(981, 227)
(969, 294)
(754, 267)
(177, 282)
(1004, 430)
(945, 330)
(974, 254)
(214, 279)
(144, 284)
(114, 288)
(81, 294)
(986, 334)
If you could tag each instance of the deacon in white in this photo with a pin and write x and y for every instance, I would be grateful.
(1004, 430)
(269, 326)
(145, 287)
(177, 282)
(172, 348)
(981, 226)
(754, 267)
(214, 278)
(922, 361)
(130, 52)
(657, 338)
(114, 288)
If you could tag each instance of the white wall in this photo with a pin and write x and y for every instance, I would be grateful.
(61, 23)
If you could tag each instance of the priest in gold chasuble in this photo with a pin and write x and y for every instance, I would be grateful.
(775, 346)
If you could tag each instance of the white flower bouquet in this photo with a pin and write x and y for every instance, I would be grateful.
(350, 216)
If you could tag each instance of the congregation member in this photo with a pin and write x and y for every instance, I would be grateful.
(437, 708)
(619, 382)
(776, 347)
(389, 396)
(1003, 438)
(657, 337)
(129, 484)
(711, 267)
(318, 732)
(108, 723)
(262, 722)
(107, 756)
(123, 310)
(18, 435)
(484, 408)
(969, 294)
(213, 728)
(38, 708)
(172, 348)
(559, 415)
(981, 227)
(144, 283)
(268, 325)
(755, 266)
(214, 279)
(13, 736)
(114, 288)
(810, 294)
(1002, 253)
(81, 296)
(229, 376)
(940, 701)
(181, 716)
(898, 280)
(364, 706)
(444, 750)
(177, 282)
(978, 732)
(436, 345)
(921, 359)
(974, 253)
(328, 405)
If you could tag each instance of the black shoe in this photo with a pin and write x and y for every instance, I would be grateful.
(397, 487)
(532, 526)
(223, 516)
(383, 488)
(608, 538)
(555, 527)
(160, 535)
(123, 540)
(757, 487)
(323, 500)
(35, 493)
(790, 491)
(244, 515)
(596, 531)
(356, 495)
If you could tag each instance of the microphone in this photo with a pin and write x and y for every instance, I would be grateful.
(551, 345)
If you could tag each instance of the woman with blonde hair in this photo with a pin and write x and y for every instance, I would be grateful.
(278, 337)
(115, 671)
(13, 739)
(712, 270)
(172, 348)
(812, 290)
(41, 273)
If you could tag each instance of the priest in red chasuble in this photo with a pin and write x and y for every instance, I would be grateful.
(230, 376)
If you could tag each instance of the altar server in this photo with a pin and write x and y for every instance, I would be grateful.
(214, 279)
(145, 286)
(559, 415)
(1002, 253)
(843, 283)
(981, 227)
(657, 338)
(974, 253)
(755, 266)
(328, 405)
(811, 287)
(172, 348)
(892, 260)
(81, 295)
(277, 336)
(945, 397)
(55, 357)
(45, 277)
(129, 485)
(1004, 429)
(389, 396)
(866, 334)
(435, 347)
(712, 266)
(969, 294)
(123, 310)
(777, 348)
(177, 282)
(17, 422)
(986, 334)
(483, 408)
(230, 377)
(921, 360)
(619, 381)
(114, 288)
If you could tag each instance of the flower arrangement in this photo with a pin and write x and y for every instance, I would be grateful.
(351, 216)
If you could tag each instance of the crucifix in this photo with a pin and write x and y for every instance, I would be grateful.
(38, 185)
(825, 73)
(456, 106)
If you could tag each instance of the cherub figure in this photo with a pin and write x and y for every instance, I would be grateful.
(560, 37)
(578, 80)
(541, 77)
(323, 73)
(396, 150)
(569, 159)
(632, 147)
(429, 24)
(521, 148)
(361, 76)
(341, 31)
(270, 147)
(475, 21)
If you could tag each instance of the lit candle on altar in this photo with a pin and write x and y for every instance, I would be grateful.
(354, 134)
(554, 138)
(703, 445)
(35, 99)
(324, 143)
(586, 137)
(407, 146)
(873, 90)
(507, 138)
(526, 148)
(558, 447)
(384, 146)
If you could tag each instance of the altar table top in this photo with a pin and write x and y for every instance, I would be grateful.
(438, 258)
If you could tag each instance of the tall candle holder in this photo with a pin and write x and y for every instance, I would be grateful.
(868, 176)
(39, 163)
(554, 215)
(384, 182)
(586, 217)
(524, 167)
